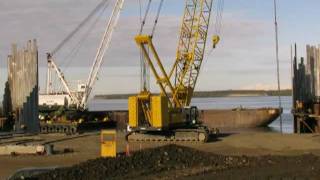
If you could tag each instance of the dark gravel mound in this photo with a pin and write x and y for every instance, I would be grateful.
(179, 162)
(140, 164)
(270, 168)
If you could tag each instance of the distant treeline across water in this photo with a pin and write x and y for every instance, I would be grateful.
(222, 93)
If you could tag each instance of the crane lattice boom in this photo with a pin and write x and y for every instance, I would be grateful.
(169, 114)
(191, 48)
(80, 97)
(190, 54)
(52, 65)
(105, 42)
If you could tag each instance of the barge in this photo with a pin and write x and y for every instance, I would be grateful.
(222, 118)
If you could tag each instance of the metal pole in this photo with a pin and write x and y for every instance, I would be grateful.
(277, 59)
(292, 76)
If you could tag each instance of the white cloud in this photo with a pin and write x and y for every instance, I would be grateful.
(245, 56)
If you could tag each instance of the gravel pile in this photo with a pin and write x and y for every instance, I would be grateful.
(174, 162)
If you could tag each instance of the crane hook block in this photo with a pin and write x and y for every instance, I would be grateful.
(215, 40)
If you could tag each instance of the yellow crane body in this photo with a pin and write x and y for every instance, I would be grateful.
(158, 116)
(169, 113)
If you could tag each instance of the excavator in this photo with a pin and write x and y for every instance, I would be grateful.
(66, 111)
(168, 116)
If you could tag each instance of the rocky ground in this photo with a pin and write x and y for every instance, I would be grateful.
(173, 161)
(249, 155)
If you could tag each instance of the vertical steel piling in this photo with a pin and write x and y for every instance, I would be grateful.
(21, 94)
(306, 91)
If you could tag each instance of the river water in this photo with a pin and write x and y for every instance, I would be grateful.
(219, 103)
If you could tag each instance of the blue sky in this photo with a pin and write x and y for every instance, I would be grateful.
(297, 18)
(245, 58)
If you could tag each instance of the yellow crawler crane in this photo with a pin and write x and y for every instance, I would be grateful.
(168, 115)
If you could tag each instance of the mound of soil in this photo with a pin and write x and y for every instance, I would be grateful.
(140, 164)
(271, 167)
(173, 161)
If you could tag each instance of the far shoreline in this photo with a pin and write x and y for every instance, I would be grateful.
(212, 94)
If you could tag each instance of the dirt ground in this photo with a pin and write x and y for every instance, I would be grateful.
(251, 144)
(180, 162)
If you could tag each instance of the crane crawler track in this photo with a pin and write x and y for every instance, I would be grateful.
(177, 135)
(58, 128)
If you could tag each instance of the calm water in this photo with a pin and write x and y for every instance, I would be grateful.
(219, 103)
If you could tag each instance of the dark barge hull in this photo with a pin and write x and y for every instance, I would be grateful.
(239, 118)
(222, 118)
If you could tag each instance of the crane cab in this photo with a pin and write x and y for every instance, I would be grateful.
(82, 87)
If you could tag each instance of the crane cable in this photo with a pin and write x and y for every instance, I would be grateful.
(277, 61)
(68, 59)
(145, 73)
(65, 40)
(218, 22)
(219, 15)
(144, 76)
(157, 18)
(143, 22)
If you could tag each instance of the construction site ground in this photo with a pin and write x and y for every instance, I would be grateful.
(280, 155)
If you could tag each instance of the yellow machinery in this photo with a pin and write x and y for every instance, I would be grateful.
(215, 40)
(168, 115)
(108, 143)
